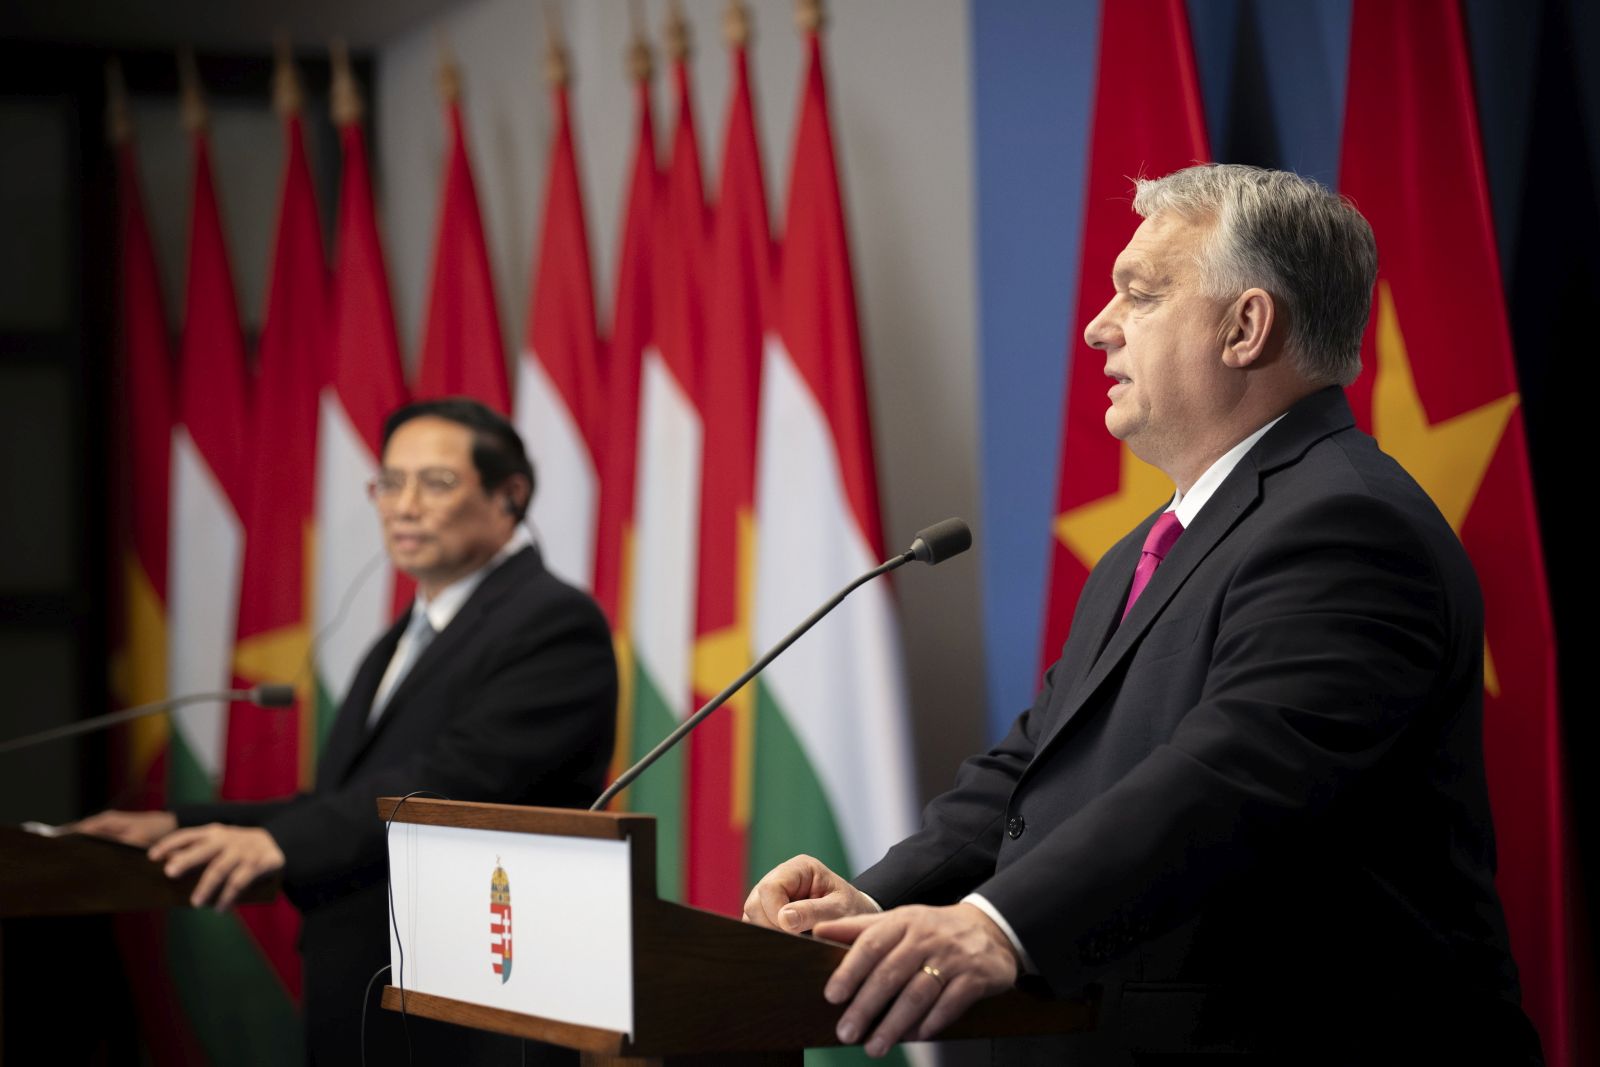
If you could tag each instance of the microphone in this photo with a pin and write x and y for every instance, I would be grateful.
(266, 696)
(941, 541)
(932, 546)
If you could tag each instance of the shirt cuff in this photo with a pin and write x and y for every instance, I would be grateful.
(983, 905)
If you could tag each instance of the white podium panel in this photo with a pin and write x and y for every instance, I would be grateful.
(530, 923)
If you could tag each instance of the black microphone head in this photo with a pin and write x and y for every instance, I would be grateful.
(272, 696)
(942, 540)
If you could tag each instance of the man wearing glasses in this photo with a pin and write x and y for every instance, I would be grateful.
(498, 685)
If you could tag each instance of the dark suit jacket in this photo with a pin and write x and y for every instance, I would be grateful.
(514, 701)
(1254, 813)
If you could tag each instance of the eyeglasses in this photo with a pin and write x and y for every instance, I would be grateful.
(433, 483)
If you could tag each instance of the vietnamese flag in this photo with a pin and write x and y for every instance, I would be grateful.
(1146, 126)
(1439, 391)
(269, 753)
(143, 463)
(740, 271)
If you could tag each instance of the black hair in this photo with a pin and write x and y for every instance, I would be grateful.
(497, 449)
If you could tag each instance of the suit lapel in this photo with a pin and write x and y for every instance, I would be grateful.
(450, 642)
(1221, 513)
(1312, 419)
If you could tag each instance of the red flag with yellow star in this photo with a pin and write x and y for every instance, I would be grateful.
(268, 751)
(143, 464)
(741, 276)
(1438, 389)
(1147, 126)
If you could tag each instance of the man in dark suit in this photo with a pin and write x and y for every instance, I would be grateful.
(498, 685)
(1247, 809)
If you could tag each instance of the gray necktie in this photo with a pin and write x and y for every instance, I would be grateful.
(415, 641)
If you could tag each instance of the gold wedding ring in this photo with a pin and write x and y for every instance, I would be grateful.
(933, 972)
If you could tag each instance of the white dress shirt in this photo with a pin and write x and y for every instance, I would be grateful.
(440, 610)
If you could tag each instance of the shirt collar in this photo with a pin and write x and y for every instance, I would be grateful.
(1188, 505)
(443, 608)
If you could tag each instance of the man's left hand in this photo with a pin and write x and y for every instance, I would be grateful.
(232, 858)
(930, 964)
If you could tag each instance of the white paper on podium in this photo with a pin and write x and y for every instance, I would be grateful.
(570, 922)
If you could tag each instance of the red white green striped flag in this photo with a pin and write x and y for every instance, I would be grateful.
(558, 402)
(237, 1006)
(631, 329)
(667, 500)
(355, 586)
(832, 752)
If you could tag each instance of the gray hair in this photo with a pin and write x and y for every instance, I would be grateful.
(1307, 247)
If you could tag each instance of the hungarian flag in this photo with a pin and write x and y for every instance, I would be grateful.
(229, 993)
(355, 587)
(210, 478)
(631, 330)
(463, 353)
(832, 773)
(740, 274)
(269, 751)
(559, 406)
(1439, 391)
(143, 465)
(1143, 127)
(667, 500)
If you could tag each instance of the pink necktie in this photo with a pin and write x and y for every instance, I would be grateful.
(1157, 543)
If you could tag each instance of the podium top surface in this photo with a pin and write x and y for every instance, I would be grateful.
(514, 818)
(78, 874)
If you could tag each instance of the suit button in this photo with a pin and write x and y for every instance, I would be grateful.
(1015, 825)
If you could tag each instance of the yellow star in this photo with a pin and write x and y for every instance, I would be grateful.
(720, 655)
(1448, 459)
(1090, 530)
(283, 656)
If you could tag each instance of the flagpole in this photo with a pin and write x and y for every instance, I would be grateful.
(345, 107)
(191, 92)
(736, 24)
(808, 16)
(287, 95)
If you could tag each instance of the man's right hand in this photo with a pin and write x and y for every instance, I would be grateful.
(141, 828)
(800, 893)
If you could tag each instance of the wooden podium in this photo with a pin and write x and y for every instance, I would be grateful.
(609, 968)
(76, 874)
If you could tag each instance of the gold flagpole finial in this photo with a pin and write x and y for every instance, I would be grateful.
(676, 32)
(808, 16)
(641, 62)
(192, 104)
(345, 107)
(557, 67)
(449, 73)
(736, 24)
(119, 123)
(287, 95)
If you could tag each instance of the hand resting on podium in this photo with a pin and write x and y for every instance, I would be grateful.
(925, 965)
(233, 857)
